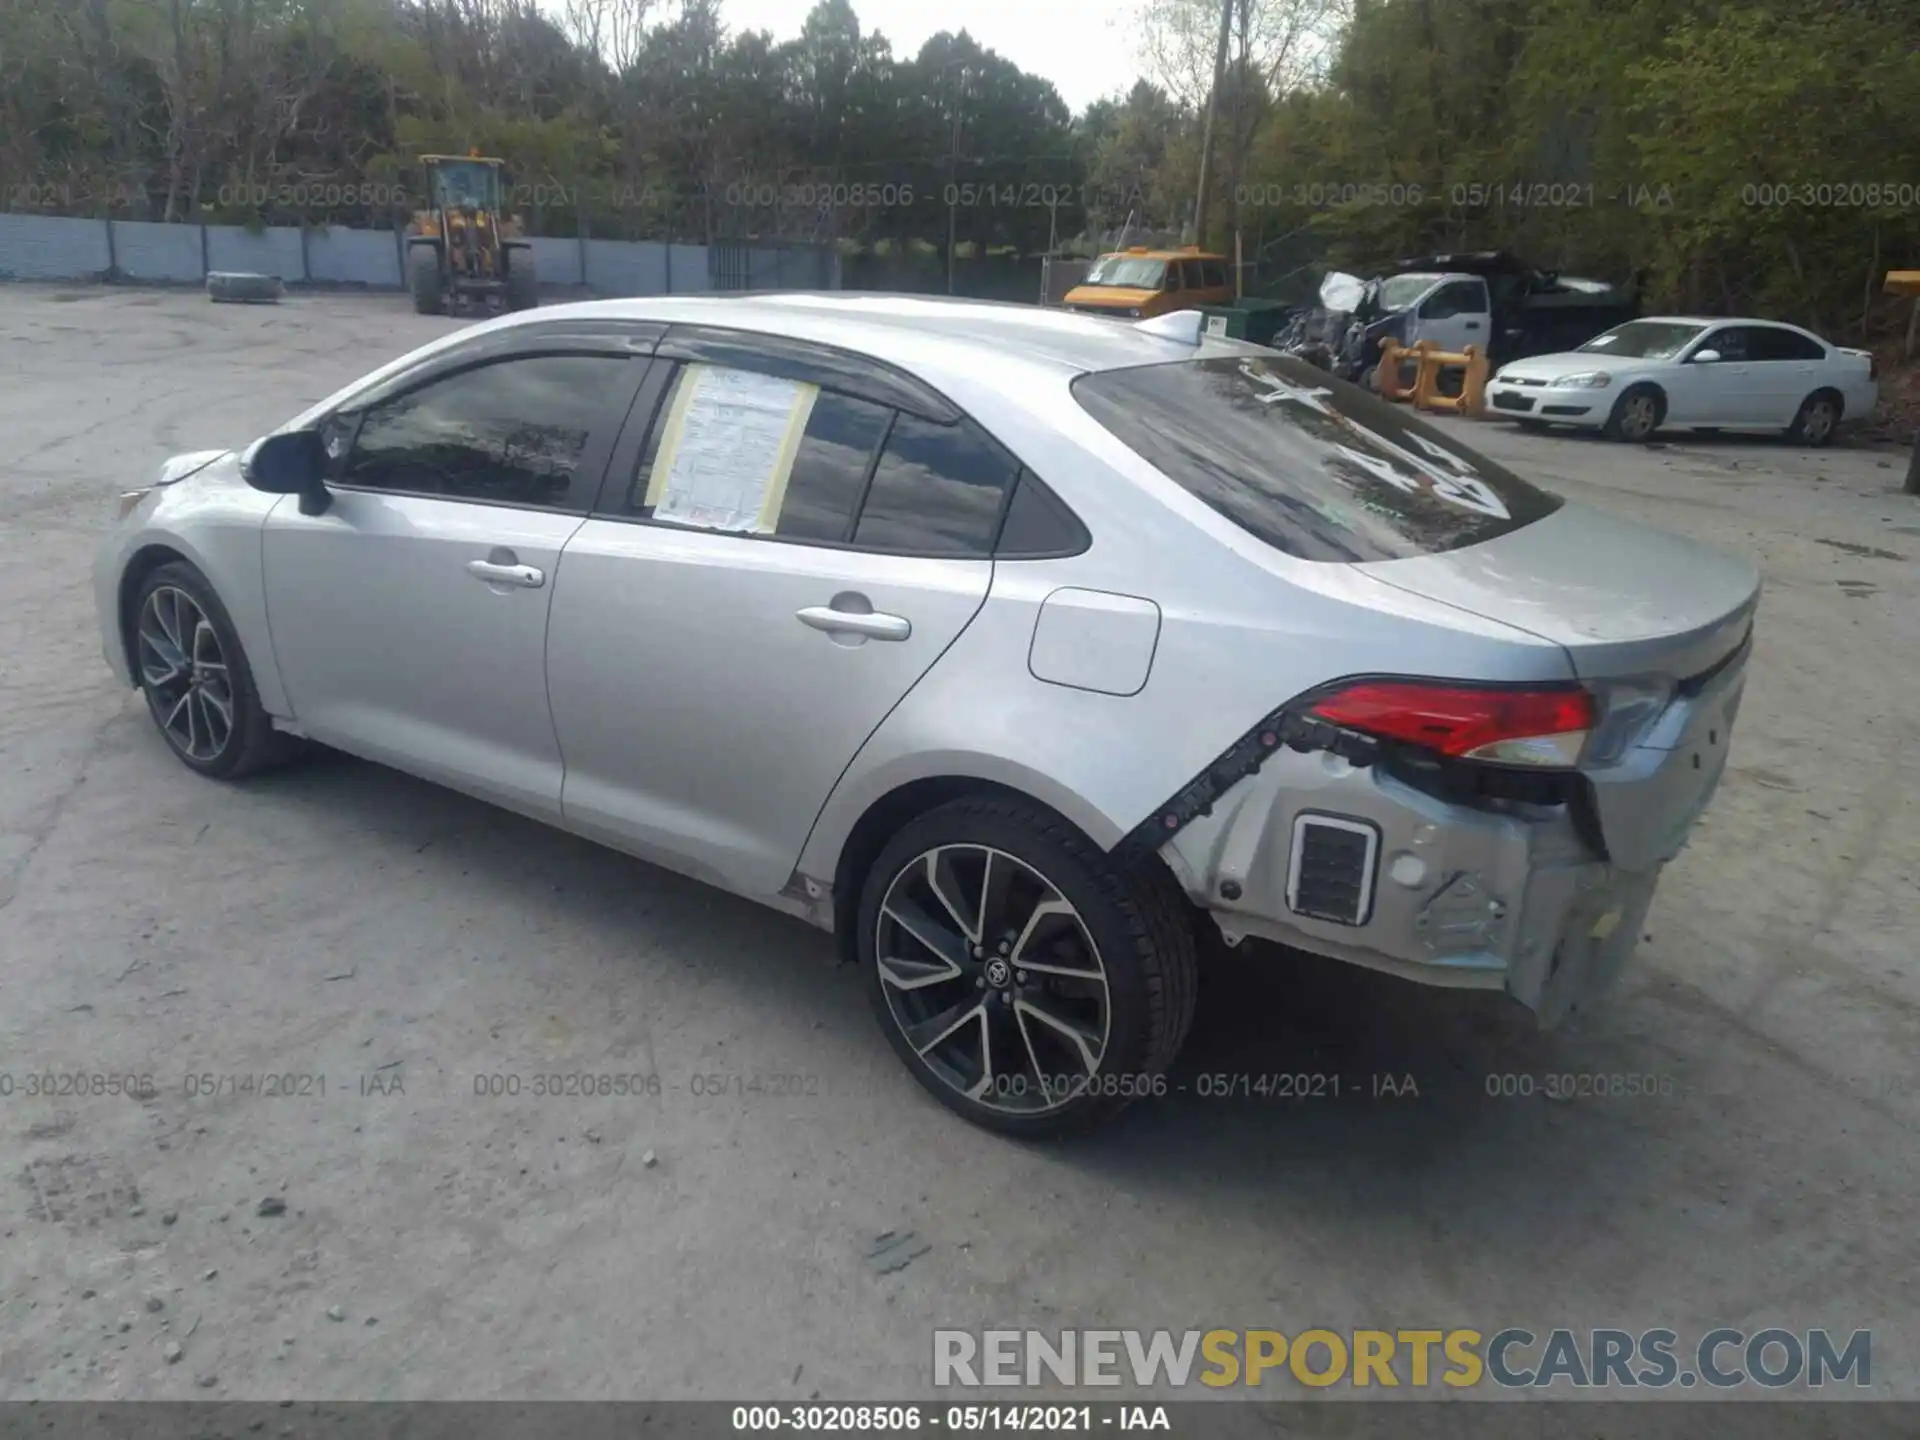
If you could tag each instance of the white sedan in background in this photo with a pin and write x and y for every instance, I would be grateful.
(1688, 373)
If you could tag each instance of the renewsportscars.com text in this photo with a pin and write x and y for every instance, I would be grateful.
(1511, 1358)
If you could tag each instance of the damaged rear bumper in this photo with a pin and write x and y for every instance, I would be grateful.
(1493, 895)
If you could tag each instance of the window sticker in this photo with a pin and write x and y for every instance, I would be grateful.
(728, 448)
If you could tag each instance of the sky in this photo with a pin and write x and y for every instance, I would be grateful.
(1082, 46)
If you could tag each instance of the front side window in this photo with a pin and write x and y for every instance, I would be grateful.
(512, 432)
(1213, 274)
(1462, 297)
(1316, 468)
(1731, 343)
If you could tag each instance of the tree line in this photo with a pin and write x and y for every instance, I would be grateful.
(1759, 155)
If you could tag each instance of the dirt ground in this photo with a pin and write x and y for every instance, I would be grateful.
(406, 947)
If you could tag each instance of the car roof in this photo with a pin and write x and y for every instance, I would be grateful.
(976, 352)
(913, 331)
(1712, 320)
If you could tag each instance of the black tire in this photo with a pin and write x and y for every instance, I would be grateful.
(1818, 420)
(523, 282)
(425, 281)
(1637, 415)
(1141, 931)
(251, 743)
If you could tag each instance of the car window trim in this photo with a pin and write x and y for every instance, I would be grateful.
(847, 372)
(584, 487)
(633, 338)
(866, 478)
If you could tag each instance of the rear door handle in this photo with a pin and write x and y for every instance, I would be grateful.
(1472, 325)
(849, 622)
(526, 577)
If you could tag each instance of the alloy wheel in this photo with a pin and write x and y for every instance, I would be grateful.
(1638, 417)
(993, 978)
(184, 672)
(1818, 421)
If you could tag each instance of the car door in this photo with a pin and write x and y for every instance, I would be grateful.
(773, 566)
(1713, 392)
(1454, 316)
(1788, 367)
(409, 619)
(1173, 294)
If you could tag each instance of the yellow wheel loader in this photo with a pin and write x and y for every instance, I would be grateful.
(463, 247)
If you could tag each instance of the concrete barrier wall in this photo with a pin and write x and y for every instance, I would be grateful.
(266, 252)
(148, 250)
(338, 256)
(47, 247)
(50, 247)
(557, 261)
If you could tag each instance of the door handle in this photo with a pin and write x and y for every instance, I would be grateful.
(849, 622)
(527, 577)
(1471, 325)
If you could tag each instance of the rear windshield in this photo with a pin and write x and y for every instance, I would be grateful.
(1314, 466)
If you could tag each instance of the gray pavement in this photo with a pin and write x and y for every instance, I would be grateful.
(346, 925)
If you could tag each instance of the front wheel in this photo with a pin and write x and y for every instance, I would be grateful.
(523, 284)
(198, 685)
(1636, 415)
(424, 281)
(1030, 983)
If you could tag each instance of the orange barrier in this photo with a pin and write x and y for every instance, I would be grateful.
(1472, 399)
(1386, 375)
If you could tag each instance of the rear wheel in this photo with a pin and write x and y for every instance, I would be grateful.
(1636, 415)
(1028, 981)
(1818, 421)
(523, 284)
(198, 685)
(425, 281)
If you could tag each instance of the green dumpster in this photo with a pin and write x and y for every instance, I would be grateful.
(1253, 320)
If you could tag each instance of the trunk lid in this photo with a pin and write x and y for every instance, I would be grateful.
(1625, 600)
(1638, 611)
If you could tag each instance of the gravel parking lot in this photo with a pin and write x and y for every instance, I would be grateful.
(406, 949)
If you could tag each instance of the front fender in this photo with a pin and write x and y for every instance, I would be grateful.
(213, 520)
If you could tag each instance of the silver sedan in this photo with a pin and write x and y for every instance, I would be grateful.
(1033, 655)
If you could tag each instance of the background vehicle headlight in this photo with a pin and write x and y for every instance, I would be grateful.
(1590, 380)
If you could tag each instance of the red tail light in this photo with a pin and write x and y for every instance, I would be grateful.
(1544, 726)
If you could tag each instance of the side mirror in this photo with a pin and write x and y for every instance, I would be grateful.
(1705, 357)
(293, 463)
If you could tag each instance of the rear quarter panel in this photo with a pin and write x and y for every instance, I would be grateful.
(1243, 630)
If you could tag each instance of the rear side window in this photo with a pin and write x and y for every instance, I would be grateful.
(820, 493)
(937, 490)
(1213, 274)
(1315, 467)
(1766, 343)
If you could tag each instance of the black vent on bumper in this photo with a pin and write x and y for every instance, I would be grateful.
(1330, 873)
